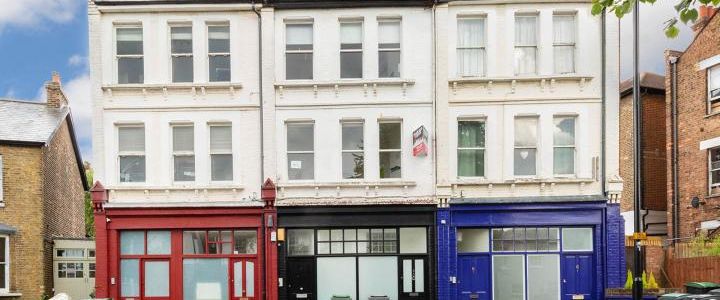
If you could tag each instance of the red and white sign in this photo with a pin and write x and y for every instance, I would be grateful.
(420, 137)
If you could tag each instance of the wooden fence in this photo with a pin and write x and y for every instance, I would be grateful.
(690, 267)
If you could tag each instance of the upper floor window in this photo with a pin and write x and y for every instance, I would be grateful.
(714, 177)
(714, 89)
(353, 150)
(299, 51)
(390, 149)
(1, 179)
(471, 148)
(525, 156)
(221, 155)
(219, 52)
(301, 151)
(525, 44)
(181, 50)
(129, 54)
(564, 43)
(470, 46)
(4, 264)
(389, 48)
(131, 153)
(183, 152)
(564, 146)
(351, 49)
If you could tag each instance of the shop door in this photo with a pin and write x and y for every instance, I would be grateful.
(242, 279)
(473, 280)
(412, 278)
(155, 284)
(301, 278)
(578, 279)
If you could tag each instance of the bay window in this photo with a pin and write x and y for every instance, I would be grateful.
(219, 53)
(390, 149)
(525, 44)
(525, 156)
(131, 153)
(299, 51)
(183, 152)
(181, 51)
(353, 150)
(301, 151)
(351, 49)
(221, 153)
(714, 89)
(714, 176)
(389, 33)
(471, 148)
(470, 46)
(564, 43)
(129, 54)
(564, 145)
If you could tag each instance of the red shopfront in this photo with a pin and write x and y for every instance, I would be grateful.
(202, 253)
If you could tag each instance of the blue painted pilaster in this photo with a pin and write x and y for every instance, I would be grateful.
(615, 229)
(443, 253)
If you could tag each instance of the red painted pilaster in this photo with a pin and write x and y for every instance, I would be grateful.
(102, 281)
(270, 253)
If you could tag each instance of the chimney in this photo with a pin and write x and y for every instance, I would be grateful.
(55, 96)
(704, 14)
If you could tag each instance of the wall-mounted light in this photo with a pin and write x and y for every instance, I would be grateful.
(695, 202)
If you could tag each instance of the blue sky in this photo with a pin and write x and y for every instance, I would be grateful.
(41, 36)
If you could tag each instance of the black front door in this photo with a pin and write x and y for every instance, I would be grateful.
(301, 278)
(413, 281)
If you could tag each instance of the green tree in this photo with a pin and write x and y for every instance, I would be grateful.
(89, 217)
(687, 11)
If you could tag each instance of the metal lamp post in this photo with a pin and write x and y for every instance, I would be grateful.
(638, 235)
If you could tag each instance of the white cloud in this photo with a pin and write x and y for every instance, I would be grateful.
(34, 12)
(10, 94)
(77, 60)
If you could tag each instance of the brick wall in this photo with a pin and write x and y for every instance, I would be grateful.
(694, 126)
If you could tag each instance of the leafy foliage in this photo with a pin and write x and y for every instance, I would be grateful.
(89, 217)
(687, 11)
(629, 280)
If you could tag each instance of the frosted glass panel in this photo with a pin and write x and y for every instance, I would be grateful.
(378, 277)
(250, 278)
(407, 275)
(577, 239)
(130, 277)
(543, 277)
(508, 277)
(336, 276)
(413, 240)
(132, 242)
(158, 242)
(157, 279)
(419, 275)
(473, 240)
(237, 279)
(205, 279)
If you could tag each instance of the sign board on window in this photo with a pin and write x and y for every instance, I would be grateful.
(420, 137)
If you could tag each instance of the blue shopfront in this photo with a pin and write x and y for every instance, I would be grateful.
(535, 248)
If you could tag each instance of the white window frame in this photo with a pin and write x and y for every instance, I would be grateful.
(7, 263)
(458, 148)
(131, 153)
(557, 45)
(119, 56)
(482, 47)
(289, 152)
(75, 270)
(710, 77)
(212, 151)
(360, 50)
(343, 151)
(712, 185)
(573, 146)
(310, 51)
(398, 150)
(536, 147)
(213, 54)
(2, 176)
(397, 20)
(174, 55)
(535, 46)
(176, 153)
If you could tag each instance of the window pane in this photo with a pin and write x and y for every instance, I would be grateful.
(508, 277)
(129, 277)
(349, 235)
(218, 39)
(577, 239)
(353, 165)
(194, 242)
(389, 34)
(157, 279)
(390, 234)
(363, 234)
(471, 134)
(132, 242)
(525, 60)
(245, 242)
(525, 162)
(130, 70)
(351, 64)
(300, 137)
(564, 59)
(352, 136)
(525, 30)
(181, 40)
(323, 235)
(471, 163)
(378, 276)
(526, 132)
(336, 247)
(471, 62)
(336, 235)
(129, 41)
(205, 278)
(564, 29)
(60, 253)
(131, 139)
(182, 69)
(222, 167)
(471, 33)
(564, 131)
(420, 275)
(250, 279)
(413, 240)
(158, 242)
(301, 166)
(219, 68)
(299, 36)
(301, 242)
(564, 160)
(350, 247)
(543, 273)
(237, 279)
(390, 164)
(389, 64)
(351, 35)
(183, 139)
(473, 240)
(184, 168)
(336, 276)
(714, 78)
(132, 168)
(298, 66)
(323, 248)
(390, 135)
(221, 138)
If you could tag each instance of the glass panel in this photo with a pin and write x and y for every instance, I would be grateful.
(471, 134)
(526, 130)
(336, 247)
(564, 160)
(473, 240)
(183, 138)
(250, 278)
(525, 162)
(336, 277)
(377, 247)
(351, 33)
(129, 41)
(245, 242)
(390, 135)
(300, 137)
(222, 167)
(130, 70)
(390, 164)
(132, 242)
(219, 68)
(508, 277)
(194, 242)
(353, 164)
(157, 279)
(564, 131)
(131, 139)
(363, 247)
(184, 167)
(352, 136)
(350, 247)
(323, 248)
(470, 55)
(390, 247)
(378, 276)
(390, 234)
(377, 234)
(205, 278)
(237, 279)
(158, 242)
(525, 30)
(298, 66)
(389, 64)
(389, 34)
(577, 239)
(129, 277)
(564, 59)
(349, 235)
(298, 36)
(221, 138)
(363, 234)
(543, 277)
(471, 163)
(336, 235)
(471, 32)
(132, 168)
(60, 252)
(218, 39)
(301, 242)
(420, 275)
(182, 69)
(181, 40)
(407, 276)
(413, 240)
(351, 64)
(323, 235)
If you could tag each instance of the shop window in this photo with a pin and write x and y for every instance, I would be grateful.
(564, 146)
(158, 242)
(471, 148)
(70, 270)
(577, 239)
(219, 53)
(205, 278)
(337, 276)
(526, 138)
(353, 150)
(245, 242)
(301, 242)
(378, 276)
(129, 54)
(129, 278)
(351, 49)
(221, 155)
(132, 242)
(220, 242)
(390, 149)
(299, 51)
(181, 52)
(76, 253)
(389, 57)
(714, 176)
(156, 283)
(509, 277)
(131, 153)
(301, 151)
(473, 240)
(531, 239)
(351, 241)
(413, 240)
(543, 272)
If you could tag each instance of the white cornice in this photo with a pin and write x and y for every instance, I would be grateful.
(175, 8)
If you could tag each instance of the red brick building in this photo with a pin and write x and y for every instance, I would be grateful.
(693, 131)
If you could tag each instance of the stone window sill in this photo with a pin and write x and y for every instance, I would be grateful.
(3, 295)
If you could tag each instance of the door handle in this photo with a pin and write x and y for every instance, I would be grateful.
(564, 281)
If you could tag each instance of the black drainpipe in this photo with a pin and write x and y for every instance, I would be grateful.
(675, 179)
(262, 141)
(604, 103)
